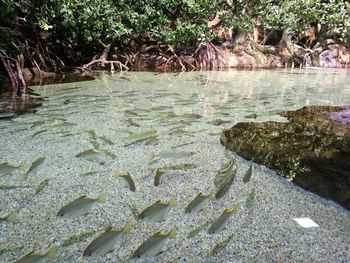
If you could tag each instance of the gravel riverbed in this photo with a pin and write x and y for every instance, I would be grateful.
(179, 112)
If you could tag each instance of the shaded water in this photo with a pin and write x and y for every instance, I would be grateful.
(139, 122)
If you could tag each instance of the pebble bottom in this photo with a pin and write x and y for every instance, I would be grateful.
(261, 232)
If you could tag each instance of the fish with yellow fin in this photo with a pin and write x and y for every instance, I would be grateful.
(128, 179)
(221, 221)
(157, 211)
(154, 245)
(248, 173)
(33, 257)
(34, 167)
(79, 206)
(105, 242)
(157, 177)
(198, 203)
(8, 169)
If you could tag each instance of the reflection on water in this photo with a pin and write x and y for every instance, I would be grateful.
(161, 132)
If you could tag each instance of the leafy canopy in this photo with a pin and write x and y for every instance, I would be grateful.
(182, 22)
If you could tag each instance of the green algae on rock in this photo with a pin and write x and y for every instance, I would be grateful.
(311, 150)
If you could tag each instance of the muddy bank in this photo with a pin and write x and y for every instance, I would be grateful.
(310, 149)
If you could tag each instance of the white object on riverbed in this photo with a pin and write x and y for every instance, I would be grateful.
(305, 222)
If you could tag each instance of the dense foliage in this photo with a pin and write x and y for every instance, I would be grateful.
(169, 21)
(75, 30)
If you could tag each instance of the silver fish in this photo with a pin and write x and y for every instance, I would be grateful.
(36, 123)
(198, 203)
(157, 211)
(157, 177)
(224, 178)
(42, 185)
(11, 217)
(248, 173)
(174, 155)
(140, 134)
(105, 242)
(128, 179)
(33, 257)
(154, 245)
(106, 140)
(221, 221)
(79, 206)
(8, 169)
(179, 166)
(148, 140)
(250, 199)
(34, 167)
(130, 122)
(38, 132)
(92, 155)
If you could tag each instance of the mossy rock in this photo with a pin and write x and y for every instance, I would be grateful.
(310, 149)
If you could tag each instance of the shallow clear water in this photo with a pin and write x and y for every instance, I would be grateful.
(177, 112)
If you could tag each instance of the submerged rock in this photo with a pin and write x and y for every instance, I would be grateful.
(342, 117)
(310, 149)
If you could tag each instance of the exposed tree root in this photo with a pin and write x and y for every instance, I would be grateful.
(209, 57)
(103, 62)
(14, 72)
(102, 59)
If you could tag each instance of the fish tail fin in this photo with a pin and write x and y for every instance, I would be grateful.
(172, 202)
(116, 174)
(228, 211)
(159, 171)
(172, 233)
(51, 254)
(233, 210)
(127, 227)
(12, 217)
(211, 196)
(102, 198)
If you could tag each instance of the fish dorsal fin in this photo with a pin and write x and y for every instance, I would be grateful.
(82, 197)
(158, 234)
(158, 201)
(51, 254)
(200, 194)
(226, 210)
(211, 196)
(29, 254)
(102, 198)
(172, 202)
(159, 171)
(172, 233)
(117, 174)
(127, 227)
(109, 228)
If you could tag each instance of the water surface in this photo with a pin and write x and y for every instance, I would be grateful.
(143, 121)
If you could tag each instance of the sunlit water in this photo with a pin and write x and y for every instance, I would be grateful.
(178, 113)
